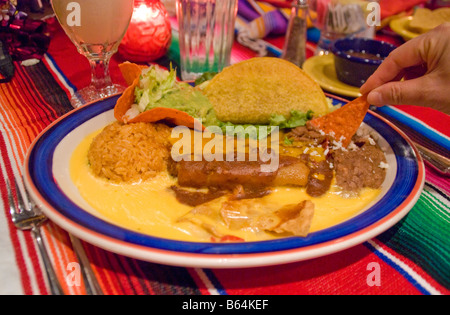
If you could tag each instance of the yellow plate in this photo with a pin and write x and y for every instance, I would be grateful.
(400, 26)
(321, 69)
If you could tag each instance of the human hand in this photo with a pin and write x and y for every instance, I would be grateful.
(424, 64)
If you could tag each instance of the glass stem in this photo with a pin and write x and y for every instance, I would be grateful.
(100, 73)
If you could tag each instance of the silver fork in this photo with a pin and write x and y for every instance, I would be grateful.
(27, 216)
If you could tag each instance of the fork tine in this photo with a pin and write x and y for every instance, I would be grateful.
(27, 196)
(20, 200)
(12, 203)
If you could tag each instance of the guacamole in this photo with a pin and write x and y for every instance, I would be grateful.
(159, 88)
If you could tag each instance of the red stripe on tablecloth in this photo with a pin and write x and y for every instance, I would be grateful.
(143, 277)
(13, 109)
(23, 107)
(442, 182)
(102, 270)
(136, 285)
(120, 275)
(432, 117)
(341, 273)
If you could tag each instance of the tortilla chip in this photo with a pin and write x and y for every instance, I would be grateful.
(125, 101)
(343, 123)
(251, 91)
(130, 71)
(171, 115)
(424, 20)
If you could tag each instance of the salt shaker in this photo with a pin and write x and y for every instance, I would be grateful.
(295, 46)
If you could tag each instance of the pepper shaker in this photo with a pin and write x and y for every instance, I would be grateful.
(294, 49)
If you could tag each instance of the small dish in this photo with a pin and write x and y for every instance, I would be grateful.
(321, 69)
(400, 26)
(356, 59)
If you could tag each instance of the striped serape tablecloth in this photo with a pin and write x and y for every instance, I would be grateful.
(413, 256)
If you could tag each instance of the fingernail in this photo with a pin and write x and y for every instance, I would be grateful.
(375, 98)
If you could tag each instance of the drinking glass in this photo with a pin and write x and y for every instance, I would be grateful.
(96, 27)
(206, 35)
(337, 19)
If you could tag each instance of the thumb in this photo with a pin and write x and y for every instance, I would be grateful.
(411, 92)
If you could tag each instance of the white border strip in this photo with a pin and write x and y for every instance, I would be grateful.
(401, 265)
(62, 79)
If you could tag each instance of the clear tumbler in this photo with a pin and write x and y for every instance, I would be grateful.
(206, 35)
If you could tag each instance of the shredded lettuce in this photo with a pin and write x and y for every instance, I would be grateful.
(297, 119)
(153, 85)
(205, 77)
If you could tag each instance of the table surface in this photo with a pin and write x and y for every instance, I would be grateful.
(412, 257)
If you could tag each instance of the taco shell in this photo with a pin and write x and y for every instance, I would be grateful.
(250, 92)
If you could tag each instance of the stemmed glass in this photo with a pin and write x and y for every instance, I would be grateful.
(96, 27)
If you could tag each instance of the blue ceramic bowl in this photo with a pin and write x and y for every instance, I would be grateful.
(356, 59)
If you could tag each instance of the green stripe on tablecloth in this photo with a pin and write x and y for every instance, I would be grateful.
(172, 57)
(413, 238)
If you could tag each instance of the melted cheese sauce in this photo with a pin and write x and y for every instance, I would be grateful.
(151, 208)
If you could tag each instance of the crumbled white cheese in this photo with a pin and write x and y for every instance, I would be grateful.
(352, 146)
(338, 146)
(383, 165)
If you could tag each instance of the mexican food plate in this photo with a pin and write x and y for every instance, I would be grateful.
(49, 177)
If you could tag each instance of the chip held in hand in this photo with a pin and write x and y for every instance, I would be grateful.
(343, 123)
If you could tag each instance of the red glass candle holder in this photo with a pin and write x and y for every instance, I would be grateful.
(149, 35)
